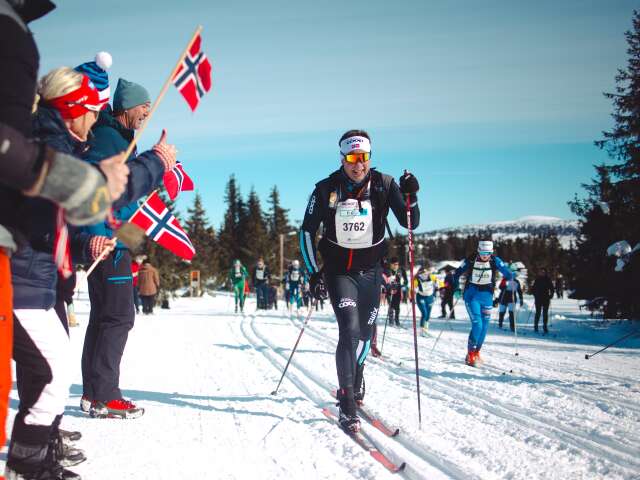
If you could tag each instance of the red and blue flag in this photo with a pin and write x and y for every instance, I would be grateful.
(193, 78)
(163, 227)
(177, 180)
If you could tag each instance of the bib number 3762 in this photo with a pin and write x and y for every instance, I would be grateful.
(354, 225)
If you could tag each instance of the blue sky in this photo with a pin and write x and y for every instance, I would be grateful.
(494, 105)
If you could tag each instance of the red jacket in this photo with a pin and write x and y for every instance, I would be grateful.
(134, 272)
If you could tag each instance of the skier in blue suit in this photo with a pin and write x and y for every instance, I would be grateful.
(480, 270)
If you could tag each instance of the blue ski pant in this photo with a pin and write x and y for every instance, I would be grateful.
(425, 303)
(479, 304)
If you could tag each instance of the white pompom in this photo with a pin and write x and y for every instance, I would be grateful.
(104, 60)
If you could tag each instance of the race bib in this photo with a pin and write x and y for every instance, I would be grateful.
(354, 225)
(481, 274)
(295, 276)
(427, 288)
(260, 274)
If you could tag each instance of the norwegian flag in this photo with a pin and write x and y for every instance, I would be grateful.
(176, 181)
(61, 250)
(162, 227)
(193, 77)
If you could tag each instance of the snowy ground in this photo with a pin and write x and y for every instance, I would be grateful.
(205, 377)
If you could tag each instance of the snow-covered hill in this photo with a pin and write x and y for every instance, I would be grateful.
(566, 230)
(205, 377)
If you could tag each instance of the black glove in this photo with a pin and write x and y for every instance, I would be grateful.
(409, 184)
(317, 286)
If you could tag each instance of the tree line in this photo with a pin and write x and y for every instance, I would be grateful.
(610, 211)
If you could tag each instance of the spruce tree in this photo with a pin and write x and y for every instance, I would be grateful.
(203, 237)
(228, 247)
(278, 224)
(611, 211)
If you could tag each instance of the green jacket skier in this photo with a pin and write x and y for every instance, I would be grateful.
(238, 277)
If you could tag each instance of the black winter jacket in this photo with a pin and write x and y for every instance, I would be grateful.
(33, 270)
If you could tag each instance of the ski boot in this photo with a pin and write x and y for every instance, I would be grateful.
(478, 359)
(64, 454)
(347, 418)
(70, 436)
(375, 352)
(470, 359)
(21, 466)
(118, 408)
(425, 330)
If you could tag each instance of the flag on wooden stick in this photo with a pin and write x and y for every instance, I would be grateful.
(193, 77)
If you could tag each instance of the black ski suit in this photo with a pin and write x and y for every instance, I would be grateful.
(543, 293)
(352, 247)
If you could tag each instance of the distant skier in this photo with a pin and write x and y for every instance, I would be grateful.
(426, 288)
(238, 276)
(542, 291)
(559, 286)
(352, 204)
(260, 279)
(480, 270)
(509, 291)
(396, 285)
(446, 295)
(294, 279)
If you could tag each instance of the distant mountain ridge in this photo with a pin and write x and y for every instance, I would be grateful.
(567, 231)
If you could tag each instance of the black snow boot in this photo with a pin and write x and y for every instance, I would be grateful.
(348, 417)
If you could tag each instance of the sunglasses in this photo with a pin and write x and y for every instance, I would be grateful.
(357, 157)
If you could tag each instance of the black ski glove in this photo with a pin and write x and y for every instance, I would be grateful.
(317, 287)
(409, 185)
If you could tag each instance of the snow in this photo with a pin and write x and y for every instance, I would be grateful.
(205, 377)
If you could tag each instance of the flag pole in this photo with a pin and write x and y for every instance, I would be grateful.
(106, 250)
(162, 93)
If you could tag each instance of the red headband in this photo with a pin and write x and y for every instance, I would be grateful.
(78, 102)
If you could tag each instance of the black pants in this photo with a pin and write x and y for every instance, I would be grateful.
(542, 305)
(148, 301)
(394, 307)
(356, 299)
(447, 301)
(112, 316)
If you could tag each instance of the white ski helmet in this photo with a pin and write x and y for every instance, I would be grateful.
(485, 247)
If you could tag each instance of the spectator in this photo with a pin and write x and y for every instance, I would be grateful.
(34, 169)
(67, 110)
(149, 283)
(112, 312)
(542, 291)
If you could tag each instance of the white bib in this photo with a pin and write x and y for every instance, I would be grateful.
(294, 276)
(354, 226)
(260, 274)
(481, 273)
(427, 288)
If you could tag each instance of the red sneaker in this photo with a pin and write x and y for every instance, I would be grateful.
(118, 408)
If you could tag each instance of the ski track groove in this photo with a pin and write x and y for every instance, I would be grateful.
(314, 397)
(429, 456)
(566, 389)
(619, 454)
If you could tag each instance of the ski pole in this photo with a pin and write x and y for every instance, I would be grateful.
(384, 333)
(588, 356)
(275, 392)
(413, 306)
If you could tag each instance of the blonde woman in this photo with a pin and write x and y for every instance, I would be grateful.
(67, 109)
